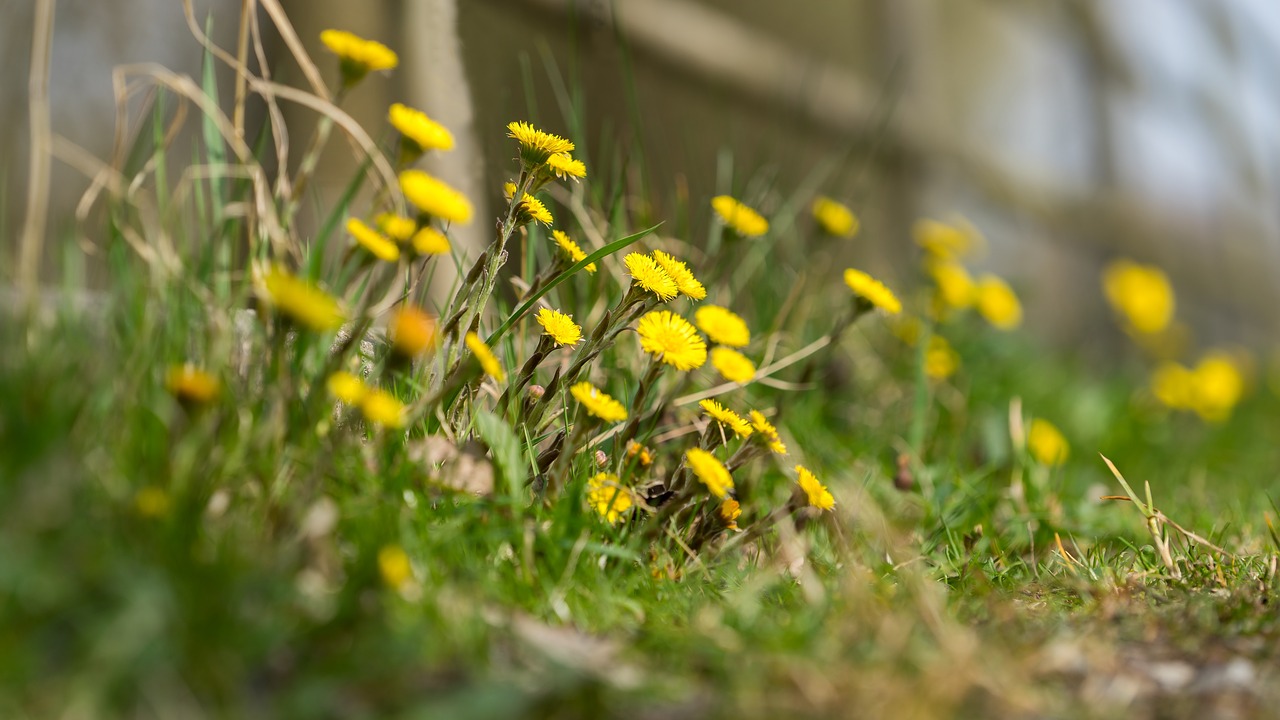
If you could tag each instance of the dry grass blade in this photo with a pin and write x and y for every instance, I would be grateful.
(41, 159)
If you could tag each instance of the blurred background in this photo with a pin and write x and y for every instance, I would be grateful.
(1070, 132)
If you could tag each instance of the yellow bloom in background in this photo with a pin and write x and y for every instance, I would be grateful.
(357, 55)
(347, 387)
(535, 145)
(943, 241)
(607, 497)
(686, 283)
(646, 273)
(373, 241)
(722, 325)
(565, 167)
(742, 219)
(834, 218)
(768, 433)
(672, 339)
(639, 452)
(956, 289)
(1173, 384)
(430, 241)
(817, 493)
(1140, 293)
(998, 303)
(733, 365)
(598, 403)
(488, 361)
(730, 511)
(413, 331)
(152, 501)
(396, 227)
(872, 290)
(1046, 443)
(382, 408)
(417, 128)
(394, 566)
(707, 468)
(571, 249)
(559, 327)
(531, 208)
(300, 300)
(435, 197)
(190, 384)
(940, 360)
(726, 417)
(1218, 386)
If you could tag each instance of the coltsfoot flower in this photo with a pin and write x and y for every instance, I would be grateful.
(943, 241)
(373, 242)
(955, 288)
(347, 388)
(358, 56)
(419, 130)
(816, 492)
(940, 360)
(413, 331)
(382, 408)
(565, 167)
(1046, 443)
(559, 327)
(394, 566)
(300, 300)
(671, 339)
(708, 469)
(646, 273)
(834, 218)
(535, 145)
(730, 511)
(531, 208)
(742, 219)
(430, 241)
(608, 497)
(998, 304)
(434, 197)
(726, 417)
(872, 290)
(396, 227)
(686, 283)
(768, 434)
(722, 325)
(191, 385)
(1141, 294)
(639, 452)
(733, 365)
(598, 403)
(571, 249)
(484, 355)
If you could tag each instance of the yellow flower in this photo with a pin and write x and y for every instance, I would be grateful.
(508, 190)
(152, 501)
(434, 197)
(640, 452)
(382, 408)
(348, 388)
(744, 220)
(834, 218)
(672, 339)
(598, 403)
(192, 385)
(413, 331)
(726, 417)
(998, 303)
(357, 55)
(730, 511)
(373, 241)
(722, 325)
(940, 359)
(817, 493)
(680, 273)
(1141, 293)
(942, 241)
(488, 361)
(649, 276)
(571, 249)
(1173, 384)
(394, 566)
(955, 286)
(1218, 386)
(430, 241)
(417, 128)
(535, 145)
(733, 365)
(565, 167)
(1046, 443)
(531, 208)
(302, 301)
(872, 290)
(559, 327)
(710, 471)
(607, 497)
(768, 433)
(396, 227)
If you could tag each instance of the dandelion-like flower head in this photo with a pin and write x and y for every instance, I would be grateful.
(357, 55)
(1046, 443)
(571, 249)
(733, 365)
(565, 167)
(413, 331)
(817, 493)
(608, 497)
(598, 403)
(872, 290)
(434, 197)
(430, 241)
(744, 220)
(300, 300)
(730, 511)
(686, 283)
(374, 242)
(646, 273)
(190, 384)
(722, 325)
(707, 468)
(417, 128)
(672, 339)
(559, 327)
(531, 208)
(998, 304)
(488, 361)
(726, 417)
(834, 218)
(535, 145)
(768, 434)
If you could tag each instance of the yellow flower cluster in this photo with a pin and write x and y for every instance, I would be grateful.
(647, 275)
(608, 497)
(1211, 389)
(537, 146)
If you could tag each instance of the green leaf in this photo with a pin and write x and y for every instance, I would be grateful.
(505, 445)
(607, 250)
